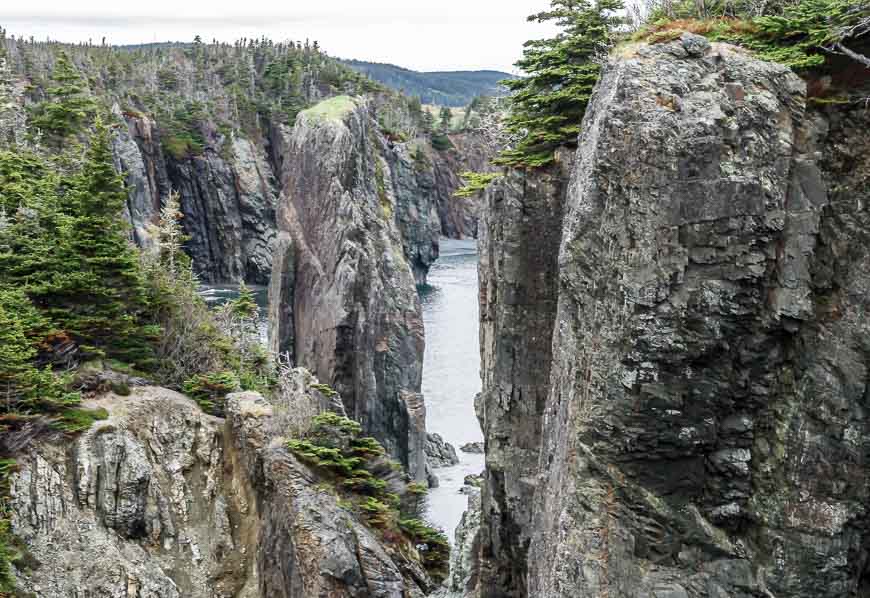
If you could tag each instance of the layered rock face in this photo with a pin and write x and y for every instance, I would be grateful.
(228, 203)
(139, 157)
(163, 501)
(355, 318)
(229, 196)
(519, 241)
(228, 199)
(704, 429)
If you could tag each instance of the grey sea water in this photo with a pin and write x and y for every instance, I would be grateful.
(451, 371)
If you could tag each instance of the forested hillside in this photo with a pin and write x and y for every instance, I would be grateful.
(445, 88)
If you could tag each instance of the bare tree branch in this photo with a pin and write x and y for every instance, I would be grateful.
(841, 49)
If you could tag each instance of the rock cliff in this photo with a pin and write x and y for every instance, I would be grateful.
(229, 194)
(355, 318)
(702, 426)
(163, 501)
(208, 121)
(519, 243)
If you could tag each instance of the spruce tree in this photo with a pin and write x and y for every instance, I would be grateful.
(96, 290)
(245, 305)
(547, 106)
(24, 388)
(68, 107)
(446, 119)
(16, 353)
(30, 234)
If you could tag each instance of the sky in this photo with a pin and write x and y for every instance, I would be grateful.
(433, 35)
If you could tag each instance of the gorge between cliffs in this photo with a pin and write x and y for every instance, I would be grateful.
(637, 369)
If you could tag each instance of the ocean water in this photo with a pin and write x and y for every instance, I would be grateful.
(451, 372)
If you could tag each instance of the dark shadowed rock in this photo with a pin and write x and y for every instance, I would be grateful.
(228, 201)
(519, 240)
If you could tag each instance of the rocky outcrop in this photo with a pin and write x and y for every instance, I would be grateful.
(140, 505)
(464, 580)
(139, 158)
(163, 501)
(476, 448)
(439, 452)
(702, 428)
(356, 317)
(308, 543)
(519, 240)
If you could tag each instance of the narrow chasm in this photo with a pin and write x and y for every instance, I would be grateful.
(451, 377)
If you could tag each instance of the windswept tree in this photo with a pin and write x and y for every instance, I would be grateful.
(547, 106)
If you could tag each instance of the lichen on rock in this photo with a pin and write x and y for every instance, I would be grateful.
(702, 430)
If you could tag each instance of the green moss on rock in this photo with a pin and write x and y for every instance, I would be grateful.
(331, 110)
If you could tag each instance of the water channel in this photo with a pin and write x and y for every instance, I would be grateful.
(451, 377)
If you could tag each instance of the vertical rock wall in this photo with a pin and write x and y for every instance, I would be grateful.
(356, 319)
(228, 200)
(704, 431)
(519, 240)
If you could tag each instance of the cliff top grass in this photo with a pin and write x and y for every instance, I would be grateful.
(331, 110)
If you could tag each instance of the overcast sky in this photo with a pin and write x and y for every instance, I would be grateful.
(432, 35)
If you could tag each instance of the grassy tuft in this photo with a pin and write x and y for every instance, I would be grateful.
(331, 110)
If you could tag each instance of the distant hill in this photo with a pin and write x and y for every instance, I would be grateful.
(446, 88)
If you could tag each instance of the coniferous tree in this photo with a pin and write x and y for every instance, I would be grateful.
(170, 238)
(446, 119)
(7, 107)
(24, 388)
(245, 306)
(95, 291)
(16, 353)
(68, 107)
(547, 106)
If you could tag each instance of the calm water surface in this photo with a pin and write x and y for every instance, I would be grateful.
(451, 371)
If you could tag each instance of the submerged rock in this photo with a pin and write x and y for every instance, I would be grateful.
(475, 448)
